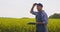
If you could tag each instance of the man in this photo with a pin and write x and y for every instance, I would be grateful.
(41, 18)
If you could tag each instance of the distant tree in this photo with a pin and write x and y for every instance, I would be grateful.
(55, 15)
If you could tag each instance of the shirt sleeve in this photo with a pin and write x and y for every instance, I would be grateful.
(34, 13)
(45, 19)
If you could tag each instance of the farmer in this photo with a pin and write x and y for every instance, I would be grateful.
(41, 18)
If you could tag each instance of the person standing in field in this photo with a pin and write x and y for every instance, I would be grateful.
(41, 18)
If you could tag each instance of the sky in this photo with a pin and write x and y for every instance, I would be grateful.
(21, 8)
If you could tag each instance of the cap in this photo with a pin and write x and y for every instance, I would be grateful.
(40, 4)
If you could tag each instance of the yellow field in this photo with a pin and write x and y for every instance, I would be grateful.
(20, 25)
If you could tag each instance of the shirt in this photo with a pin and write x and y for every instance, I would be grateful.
(41, 16)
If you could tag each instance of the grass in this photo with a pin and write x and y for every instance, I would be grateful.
(20, 25)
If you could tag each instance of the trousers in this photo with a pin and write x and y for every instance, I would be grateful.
(41, 28)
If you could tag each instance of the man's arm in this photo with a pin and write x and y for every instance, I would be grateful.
(39, 23)
(44, 22)
(33, 7)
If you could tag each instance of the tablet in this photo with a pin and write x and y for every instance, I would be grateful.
(32, 23)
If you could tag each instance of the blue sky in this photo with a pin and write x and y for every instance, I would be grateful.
(21, 8)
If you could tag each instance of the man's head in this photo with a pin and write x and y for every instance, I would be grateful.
(39, 7)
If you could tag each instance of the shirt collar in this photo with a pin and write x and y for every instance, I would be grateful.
(41, 11)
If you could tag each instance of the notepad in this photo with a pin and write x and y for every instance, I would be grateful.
(32, 23)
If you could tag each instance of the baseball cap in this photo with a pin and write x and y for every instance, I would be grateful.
(39, 4)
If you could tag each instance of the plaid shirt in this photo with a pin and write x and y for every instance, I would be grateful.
(41, 17)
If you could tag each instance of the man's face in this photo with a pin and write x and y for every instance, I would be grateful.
(39, 8)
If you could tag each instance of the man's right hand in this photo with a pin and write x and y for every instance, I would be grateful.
(33, 7)
(34, 4)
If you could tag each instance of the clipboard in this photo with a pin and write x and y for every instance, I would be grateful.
(31, 23)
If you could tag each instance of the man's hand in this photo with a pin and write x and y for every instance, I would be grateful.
(33, 7)
(39, 23)
(34, 4)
